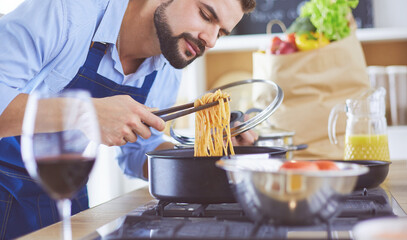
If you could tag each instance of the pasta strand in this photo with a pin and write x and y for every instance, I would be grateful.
(210, 126)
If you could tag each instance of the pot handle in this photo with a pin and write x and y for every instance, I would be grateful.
(297, 147)
(333, 117)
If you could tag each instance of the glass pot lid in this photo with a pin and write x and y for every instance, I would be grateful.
(251, 102)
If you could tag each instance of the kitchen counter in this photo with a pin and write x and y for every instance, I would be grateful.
(88, 221)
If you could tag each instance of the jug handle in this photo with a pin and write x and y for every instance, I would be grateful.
(333, 117)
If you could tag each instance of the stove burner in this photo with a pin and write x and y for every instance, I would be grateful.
(219, 211)
(164, 220)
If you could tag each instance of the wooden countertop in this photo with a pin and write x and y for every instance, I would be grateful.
(86, 222)
(396, 182)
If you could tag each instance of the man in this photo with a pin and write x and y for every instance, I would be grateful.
(126, 53)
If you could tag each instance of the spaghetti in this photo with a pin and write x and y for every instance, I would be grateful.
(210, 126)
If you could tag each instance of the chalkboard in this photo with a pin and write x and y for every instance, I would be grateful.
(287, 11)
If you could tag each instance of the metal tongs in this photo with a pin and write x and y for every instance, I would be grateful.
(187, 109)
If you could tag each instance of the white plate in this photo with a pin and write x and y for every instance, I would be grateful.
(389, 228)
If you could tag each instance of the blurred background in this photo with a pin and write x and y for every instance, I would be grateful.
(368, 14)
(382, 30)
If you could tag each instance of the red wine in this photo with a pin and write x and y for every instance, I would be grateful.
(62, 176)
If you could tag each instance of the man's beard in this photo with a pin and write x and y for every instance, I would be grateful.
(169, 43)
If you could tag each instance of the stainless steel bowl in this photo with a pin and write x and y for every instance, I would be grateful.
(288, 197)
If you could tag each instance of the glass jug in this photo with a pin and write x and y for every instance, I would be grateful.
(366, 126)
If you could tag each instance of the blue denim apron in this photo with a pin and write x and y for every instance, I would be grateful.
(24, 206)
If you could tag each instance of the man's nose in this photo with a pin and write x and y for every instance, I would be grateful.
(210, 36)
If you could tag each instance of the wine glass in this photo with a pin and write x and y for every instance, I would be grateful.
(59, 144)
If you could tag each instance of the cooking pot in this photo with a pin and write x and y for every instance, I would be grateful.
(272, 137)
(378, 171)
(288, 197)
(175, 175)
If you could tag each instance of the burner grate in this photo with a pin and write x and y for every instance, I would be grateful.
(163, 220)
(364, 205)
(221, 211)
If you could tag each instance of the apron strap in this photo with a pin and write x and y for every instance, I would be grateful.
(148, 82)
(96, 52)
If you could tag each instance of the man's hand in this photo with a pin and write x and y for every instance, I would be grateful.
(122, 120)
(247, 138)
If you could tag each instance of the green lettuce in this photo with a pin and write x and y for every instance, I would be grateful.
(330, 16)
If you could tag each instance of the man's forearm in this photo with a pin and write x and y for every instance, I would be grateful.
(49, 115)
(162, 146)
(11, 119)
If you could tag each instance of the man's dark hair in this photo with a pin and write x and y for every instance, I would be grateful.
(248, 5)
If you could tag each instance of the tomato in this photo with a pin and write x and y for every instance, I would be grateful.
(326, 165)
(275, 44)
(310, 165)
(291, 38)
(279, 46)
(300, 165)
(286, 48)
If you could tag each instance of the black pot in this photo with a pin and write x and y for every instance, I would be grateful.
(378, 171)
(175, 175)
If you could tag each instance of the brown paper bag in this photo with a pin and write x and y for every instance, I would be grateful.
(313, 83)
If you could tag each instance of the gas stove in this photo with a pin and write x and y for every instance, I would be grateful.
(163, 220)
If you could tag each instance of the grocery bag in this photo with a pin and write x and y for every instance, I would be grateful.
(313, 82)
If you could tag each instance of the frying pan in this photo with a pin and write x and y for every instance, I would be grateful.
(378, 171)
(175, 175)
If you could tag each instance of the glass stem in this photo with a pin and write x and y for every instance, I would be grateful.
(64, 209)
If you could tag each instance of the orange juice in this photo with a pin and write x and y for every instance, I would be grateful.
(367, 147)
